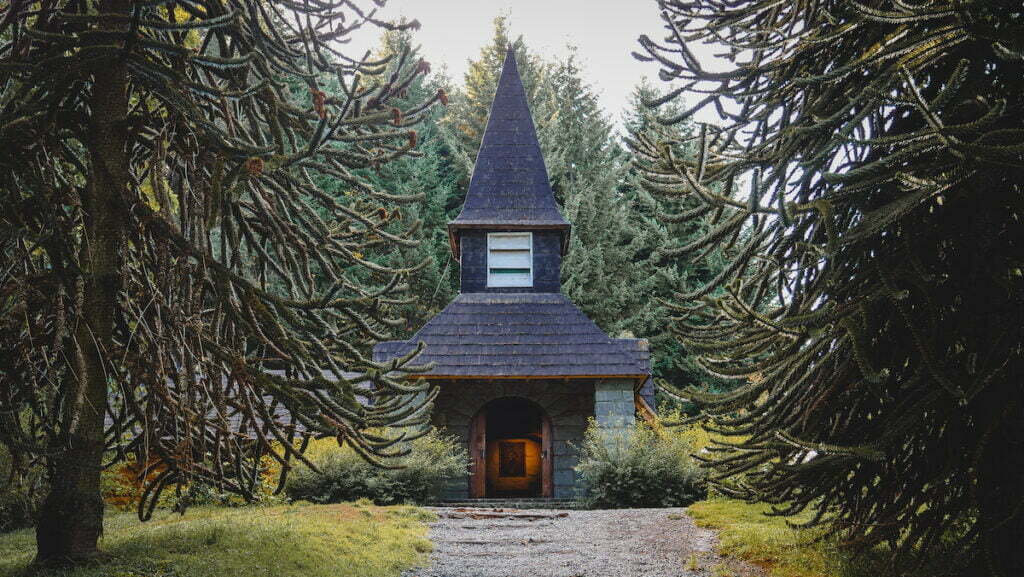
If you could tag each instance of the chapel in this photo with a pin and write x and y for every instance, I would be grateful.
(519, 367)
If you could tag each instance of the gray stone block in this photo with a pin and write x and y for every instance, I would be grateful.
(568, 462)
(568, 433)
(565, 492)
(607, 394)
(561, 448)
(605, 412)
(576, 419)
(565, 477)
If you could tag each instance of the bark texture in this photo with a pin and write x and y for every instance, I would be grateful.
(71, 518)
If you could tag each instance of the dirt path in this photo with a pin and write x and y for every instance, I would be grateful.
(535, 543)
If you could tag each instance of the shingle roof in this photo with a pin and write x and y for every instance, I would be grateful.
(519, 335)
(510, 184)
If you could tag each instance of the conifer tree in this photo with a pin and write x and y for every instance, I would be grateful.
(616, 269)
(659, 236)
(585, 165)
(170, 264)
(431, 175)
(873, 297)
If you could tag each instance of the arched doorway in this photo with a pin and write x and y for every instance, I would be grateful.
(510, 448)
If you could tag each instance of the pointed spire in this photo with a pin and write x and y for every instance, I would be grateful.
(510, 187)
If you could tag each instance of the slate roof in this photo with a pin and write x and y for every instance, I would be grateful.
(519, 335)
(510, 186)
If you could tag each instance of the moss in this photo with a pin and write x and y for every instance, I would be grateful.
(281, 541)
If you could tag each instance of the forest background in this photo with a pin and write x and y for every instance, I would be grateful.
(621, 265)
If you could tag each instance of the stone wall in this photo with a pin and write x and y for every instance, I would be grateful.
(614, 409)
(567, 402)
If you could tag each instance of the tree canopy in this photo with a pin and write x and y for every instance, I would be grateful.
(872, 298)
(175, 277)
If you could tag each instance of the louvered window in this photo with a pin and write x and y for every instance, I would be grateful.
(510, 259)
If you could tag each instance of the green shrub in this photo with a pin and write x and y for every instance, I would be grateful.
(345, 476)
(647, 468)
(20, 495)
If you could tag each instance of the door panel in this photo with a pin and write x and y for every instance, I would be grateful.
(478, 456)
(547, 459)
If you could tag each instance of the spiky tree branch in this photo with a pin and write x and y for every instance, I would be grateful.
(874, 299)
(171, 267)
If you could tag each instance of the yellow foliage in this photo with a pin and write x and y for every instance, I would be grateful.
(122, 485)
(696, 436)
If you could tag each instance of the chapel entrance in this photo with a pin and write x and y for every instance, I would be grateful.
(511, 450)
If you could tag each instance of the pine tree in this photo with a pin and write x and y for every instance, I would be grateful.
(431, 175)
(873, 293)
(170, 262)
(585, 166)
(659, 236)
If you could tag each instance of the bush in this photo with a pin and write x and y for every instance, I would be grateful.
(123, 486)
(20, 495)
(345, 476)
(649, 468)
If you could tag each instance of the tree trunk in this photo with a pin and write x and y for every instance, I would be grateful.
(71, 518)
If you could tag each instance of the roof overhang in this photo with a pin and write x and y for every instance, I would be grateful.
(641, 378)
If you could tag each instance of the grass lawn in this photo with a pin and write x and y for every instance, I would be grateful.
(347, 540)
(746, 533)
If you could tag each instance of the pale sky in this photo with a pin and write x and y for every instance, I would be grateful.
(604, 31)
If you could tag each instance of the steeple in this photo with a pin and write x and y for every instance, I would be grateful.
(510, 188)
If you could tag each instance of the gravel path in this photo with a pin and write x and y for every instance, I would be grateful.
(538, 543)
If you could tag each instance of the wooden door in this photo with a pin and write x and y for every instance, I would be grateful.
(478, 456)
(547, 456)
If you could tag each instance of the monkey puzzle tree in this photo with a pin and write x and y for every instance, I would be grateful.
(874, 288)
(174, 282)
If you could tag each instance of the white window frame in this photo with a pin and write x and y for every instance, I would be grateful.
(496, 281)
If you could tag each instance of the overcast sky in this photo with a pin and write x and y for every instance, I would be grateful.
(604, 31)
